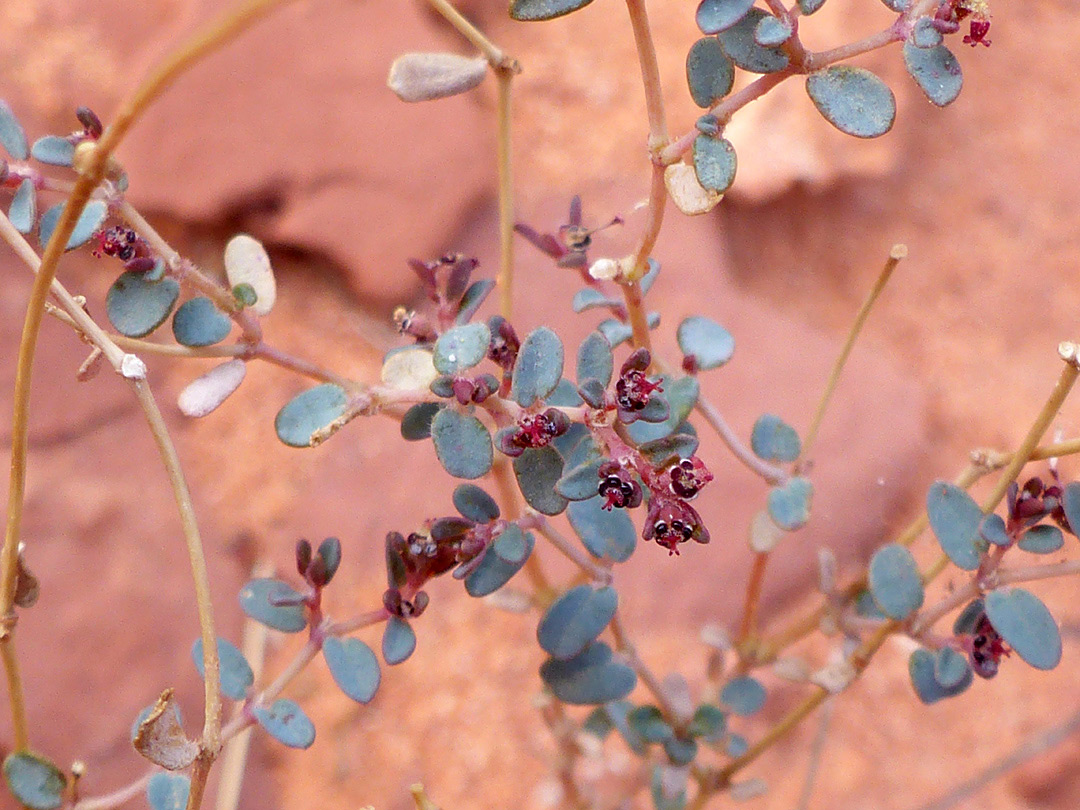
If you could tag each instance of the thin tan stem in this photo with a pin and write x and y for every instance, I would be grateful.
(753, 598)
(646, 675)
(505, 278)
(635, 310)
(117, 797)
(495, 55)
(1011, 576)
(571, 551)
(898, 253)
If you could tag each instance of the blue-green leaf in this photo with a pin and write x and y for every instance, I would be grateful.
(955, 518)
(532, 10)
(709, 722)
(936, 70)
(582, 482)
(710, 74)
(924, 34)
(853, 100)
(950, 668)
(921, 668)
(354, 667)
(895, 582)
(739, 43)
(168, 791)
(1070, 502)
(714, 16)
(286, 722)
(275, 604)
(53, 150)
(199, 323)
(1025, 623)
(615, 331)
(992, 530)
(774, 440)
(565, 395)
(680, 751)
(462, 444)
(90, 221)
(461, 348)
(1044, 539)
(681, 395)
(590, 677)
(538, 367)
(591, 299)
(12, 136)
(35, 782)
(808, 7)
(575, 619)
(398, 641)
(649, 724)
(236, 674)
(473, 298)
(502, 559)
(968, 618)
(745, 695)
(538, 470)
(771, 32)
(594, 360)
(416, 423)
(715, 163)
(23, 210)
(677, 445)
(736, 745)
(475, 504)
(136, 307)
(710, 344)
(789, 505)
(607, 534)
(308, 412)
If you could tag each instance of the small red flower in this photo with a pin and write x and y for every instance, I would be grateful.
(987, 648)
(671, 521)
(633, 389)
(618, 487)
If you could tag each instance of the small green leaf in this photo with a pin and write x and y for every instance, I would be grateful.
(309, 412)
(710, 344)
(236, 675)
(461, 348)
(168, 791)
(709, 722)
(90, 221)
(739, 43)
(789, 505)
(921, 668)
(591, 299)
(992, 530)
(774, 440)
(615, 331)
(950, 668)
(533, 10)
(538, 367)
(677, 445)
(710, 74)
(714, 16)
(853, 100)
(808, 7)
(1025, 623)
(772, 32)
(23, 210)
(473, 298)
(924, 34)
(968, 618)
(715, 163)
(590, 677)
(354, 667)
(34, 781)
(538, 470)
(1070, 502)
(275, 604)
(895, 582)
(136, 307)
(955, 518)
(462, 444)
(598, 723)
(736, 745)
(607, 534)
(416, 423)
(1044, 539)
(330, 551)
(681, 395)
(12, 136)
(247, 262)
(244, 294)
(575, 619)
(745, 695)
(649, 724)
(936, 70)
(286, 722)
(580, 483)
(594, 360)
(680, 752)
(53, 150)
(199, 323)
(398, 641)
(502, 559)
(475, 504)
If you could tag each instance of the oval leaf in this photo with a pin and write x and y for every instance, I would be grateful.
(416, 423)
(714, 16)
(853, 100)
(475, 504)
(772, 32)
(532, 10)
(710, 344)
(538, 367)
(895, 582)
(308, 412)
(789, 505)
(354, 667)
(502, 559)
(23, 210)
(575, 619)
(53, 150)
(589, 678)
(921, 668)
(606, 534)
(992, 530)
(275, 604)
(398, 641)
(774, 440)
(461, 348)
(168, 791)
(955, 518)
(204, 394)
(594, 360)
(715, 163)
(1070, 502)
(136, 307)
(951, 668)
(246, 262)
(1025, 623)
(936, 70)
(739, 43)
(582, 482)
(681, 395)
(538, 470)
(427, 76)
(462, 444)
(33, 780)
(199, 323)
(90, 221)
(1043, 539)
(286, 722)
(236, 674)
(710, 74)
(12, 136)
(745, 695)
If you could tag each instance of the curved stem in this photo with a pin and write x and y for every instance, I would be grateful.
(771, 473)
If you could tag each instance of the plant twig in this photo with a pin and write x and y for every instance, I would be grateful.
(753, 598)
(816, 750)
(599, 573)
(771, 473)
(897, 253)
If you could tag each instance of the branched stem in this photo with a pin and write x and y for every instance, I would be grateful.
(599, 573)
